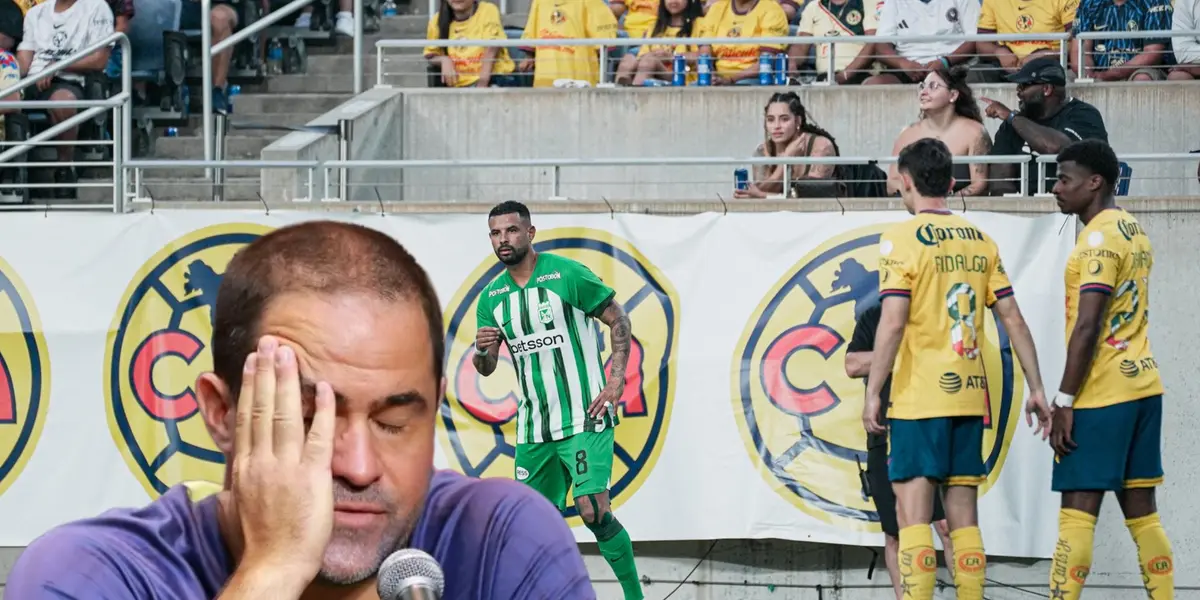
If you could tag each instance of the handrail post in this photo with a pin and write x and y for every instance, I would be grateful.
(358, 46)
(218, 178)
(345, 134)
(206, 76)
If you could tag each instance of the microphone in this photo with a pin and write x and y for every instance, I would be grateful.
(410, 574)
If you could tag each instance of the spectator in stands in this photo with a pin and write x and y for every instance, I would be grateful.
(639, 16)
(852, 62)
(566, 19)
(466, 66)
(910, 62)
(738, 63)
(55, 30)
(789, 132)
(676, 19)
(1006, 17)
(223, 19)
(1048, 121)
(122, 14)
(1118, 59)
(343, 22)
(1187, 48)
(791, 8)
(11, 24)
(949, 113)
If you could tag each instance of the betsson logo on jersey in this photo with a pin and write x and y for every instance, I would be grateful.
(537, 342)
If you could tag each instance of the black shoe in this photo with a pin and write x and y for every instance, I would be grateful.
(66, 180)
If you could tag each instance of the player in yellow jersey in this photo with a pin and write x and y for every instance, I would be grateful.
(937, 272)
(1107, 429)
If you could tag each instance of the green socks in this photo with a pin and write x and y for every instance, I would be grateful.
(617, 549)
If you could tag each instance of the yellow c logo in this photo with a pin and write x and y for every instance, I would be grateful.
(478, 425)
(157, 346)
(800, 416)
(24, 376)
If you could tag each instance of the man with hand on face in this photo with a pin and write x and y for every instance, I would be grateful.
(1047, 121)
(327, 372)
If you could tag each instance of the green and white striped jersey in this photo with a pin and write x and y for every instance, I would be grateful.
(547, 326)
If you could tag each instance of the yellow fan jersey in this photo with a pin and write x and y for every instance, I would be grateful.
(1023, 16)
(766, 19)
(568, 19)
(484, 24)
(680, 48)
(951, 272)
(640, 16)
(1113, 257)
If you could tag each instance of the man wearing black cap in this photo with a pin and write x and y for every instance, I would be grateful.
(1047, 120)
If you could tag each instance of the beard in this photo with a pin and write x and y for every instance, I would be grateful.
(354, 554)
(1032, 109)
(515, 256)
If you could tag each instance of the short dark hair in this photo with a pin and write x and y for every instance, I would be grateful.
(1096, 156)
(929, 162)
(315, 256)
(509, 207)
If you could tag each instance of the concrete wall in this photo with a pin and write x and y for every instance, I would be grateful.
(666, 122)
(773, 570)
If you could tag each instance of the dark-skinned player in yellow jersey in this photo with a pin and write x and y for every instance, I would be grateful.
(937, 274)
(1107, 423)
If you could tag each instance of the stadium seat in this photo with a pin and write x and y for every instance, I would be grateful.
(1126, 173)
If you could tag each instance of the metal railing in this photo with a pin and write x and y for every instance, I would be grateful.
(1045, 159)
(1120, 35)
(274, 17)
(120, 104)
(830, 60)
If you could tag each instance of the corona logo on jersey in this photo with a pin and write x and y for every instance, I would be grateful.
(800, 415)
(157, 346)
(24, 377)
(478, 424)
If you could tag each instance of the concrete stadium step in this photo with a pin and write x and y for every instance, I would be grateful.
(342, 83)
(253, 103)
(237, 147)
(297, 119)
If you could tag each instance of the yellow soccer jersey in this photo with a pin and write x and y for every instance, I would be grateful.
(640, 16)
(951, 272)
(568, 19)
(1113, 257)
(766, 19)
(1024, 16)
(484, 24)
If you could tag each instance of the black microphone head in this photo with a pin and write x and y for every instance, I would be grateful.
(408, 569)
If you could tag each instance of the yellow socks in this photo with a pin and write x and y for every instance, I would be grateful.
(918, 562)
(1154, 556)
(970, 564)
(1073, 554)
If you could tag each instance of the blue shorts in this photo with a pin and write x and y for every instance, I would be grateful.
(1117, 447)
(945, 449)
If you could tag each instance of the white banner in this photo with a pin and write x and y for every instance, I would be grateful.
(744, 425)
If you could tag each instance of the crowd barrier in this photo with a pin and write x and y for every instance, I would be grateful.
(737, 403)
(830, 59)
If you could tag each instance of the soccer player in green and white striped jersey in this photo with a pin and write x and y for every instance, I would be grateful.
(541, 307)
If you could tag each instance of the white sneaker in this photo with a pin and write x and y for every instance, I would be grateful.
(344, 24)
(305, 21)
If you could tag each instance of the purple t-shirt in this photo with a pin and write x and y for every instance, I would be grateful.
(495, 539)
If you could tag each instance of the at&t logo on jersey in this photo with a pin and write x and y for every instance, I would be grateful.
(477, 427)
(24, 377)
(158, 345)
(800, 415)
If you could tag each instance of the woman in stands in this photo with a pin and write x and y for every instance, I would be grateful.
(949, 113)
(469, 66)
(790, 132)
(676, 19)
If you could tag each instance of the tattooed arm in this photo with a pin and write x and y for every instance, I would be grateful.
(982, 146)
(620, 337)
